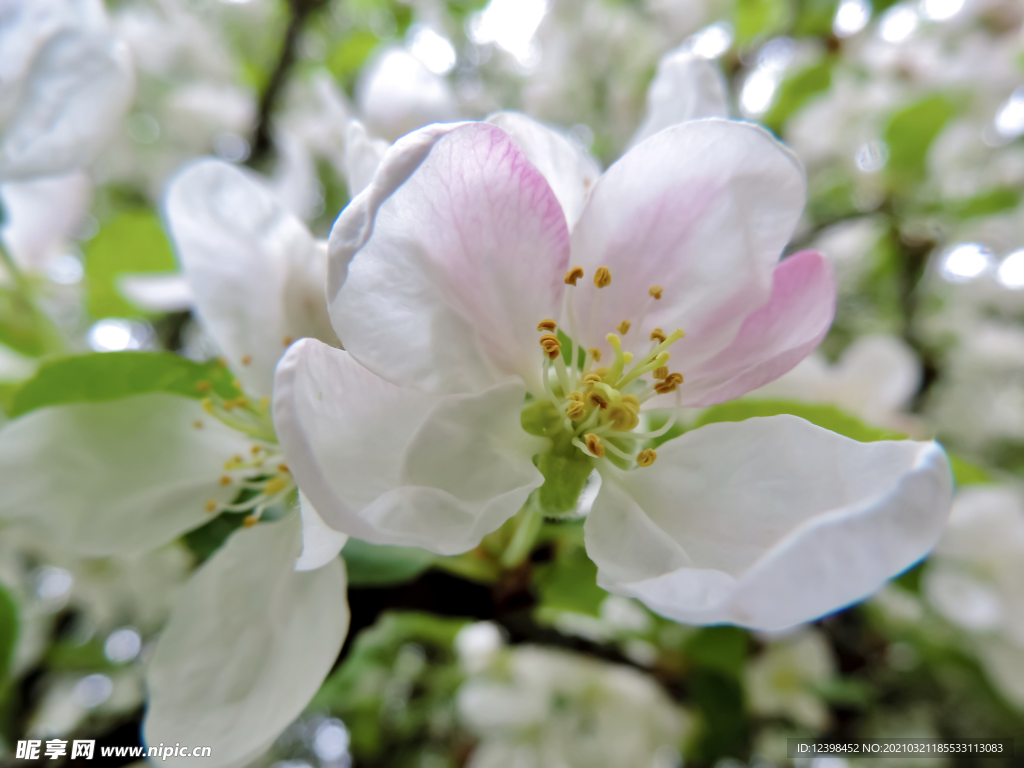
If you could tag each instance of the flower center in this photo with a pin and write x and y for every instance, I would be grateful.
(596, 409)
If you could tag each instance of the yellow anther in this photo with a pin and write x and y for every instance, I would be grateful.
(602, 371)
(623, 327)
(596, 354)
(255, 449)
(287, 341)
(250, 521)
(624, 417)
(592, 378)
(229, 405)
(240, 402)
(655, 292)
(552, 346)
(576, 410)
(237, 458)
(646, 457)
(204, 386)
(211, 506)
(658, 335)
(577, 396)
(573, 275)
(670, 384)
(225, 480)
(208, 405)
(597, 399)
(275, 485)
(197, 424)
(593, 443)
(246, 359)
(547, 325)
(283, 468)
(631, 400)
(603, 277)
(661, 373)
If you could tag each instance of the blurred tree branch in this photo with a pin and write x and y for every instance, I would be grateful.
(299, 12)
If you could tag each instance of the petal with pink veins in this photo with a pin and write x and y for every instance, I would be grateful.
(702, 209)
(772, 339)
(460, 249)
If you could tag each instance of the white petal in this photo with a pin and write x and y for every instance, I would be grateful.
(118, 476)
(248, 643)
(702, 209)
(320, 543)
(393, 465)
(963, 599)
(1004, 663)
(568, 168)
(462, 249)
(397, 94)
(767, 523)
(42, 215)
(883, 371)
(686, 87)
(156, 292)
(256, 273)
(65, 83)
(363, 156)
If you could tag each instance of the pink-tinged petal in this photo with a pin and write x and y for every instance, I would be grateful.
(256, 273)
(766, 523)
(568, 168)
(773, 339)
(702, 209)
(460, 248)
(394, 465)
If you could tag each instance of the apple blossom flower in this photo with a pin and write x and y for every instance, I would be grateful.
(129, 475)
(973, 580)
(65, 83)
(782, 679)
(492, 358)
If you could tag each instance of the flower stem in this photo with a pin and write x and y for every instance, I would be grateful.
(526, 534)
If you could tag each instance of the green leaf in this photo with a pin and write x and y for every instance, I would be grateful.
(967, 473)
(86, 657)
(825, 416)
(910, 134)
(132, 242)
(21, 327)
(814, 18)
(796, 90)
(114, 375)
(9, 628)
(986, 203)
(759, 18)
(347, 57)
(847, 692)
(377, 565)
(723, 649)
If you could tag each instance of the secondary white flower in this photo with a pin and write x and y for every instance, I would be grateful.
(974, 580)
(42, 216)
(536, 707)
(259, 626)
(444, 414)
(65, 82)
(781, 680)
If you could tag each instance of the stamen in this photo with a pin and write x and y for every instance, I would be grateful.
(250, 521)
(576, 410)
(658, 335)
(646, 457)
(670, 384)
(661, 373)
(246, 359)
(275, 485)
(283, 468)
(288, 341)
(596, 354)
(655, 292)
(547, 325)
(620, 361)
(624, 417)
(573, 275)
(225, 480)
(594, 445)
(204, 386)
(208, 406)
(592, 378)
(197, 424)
(623, 327)
(603, 277)
(211, 506)
(617, 452)
(552, 346)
